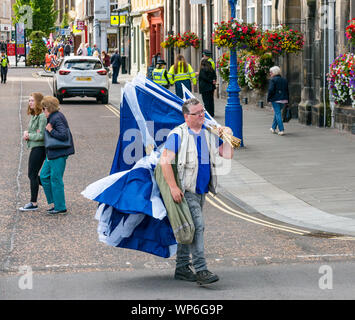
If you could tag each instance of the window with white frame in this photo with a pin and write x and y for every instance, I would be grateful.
(251, 9)
(238, 12)
(267, 6)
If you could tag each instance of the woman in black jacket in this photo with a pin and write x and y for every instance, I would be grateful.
(278, 96)
(53, 168)
(207, 84)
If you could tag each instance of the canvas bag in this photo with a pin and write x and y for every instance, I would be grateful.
(178, 213)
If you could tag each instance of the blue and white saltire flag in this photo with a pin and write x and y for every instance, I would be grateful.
(131, 212)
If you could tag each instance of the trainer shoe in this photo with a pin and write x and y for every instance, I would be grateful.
(185, 273)
(29, 207)
(281, 133)
(55, 212)
(206, 277)
(272, 130)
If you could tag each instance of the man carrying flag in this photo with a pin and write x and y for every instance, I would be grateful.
(197, 150)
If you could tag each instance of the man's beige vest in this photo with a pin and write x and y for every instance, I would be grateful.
(187, 160)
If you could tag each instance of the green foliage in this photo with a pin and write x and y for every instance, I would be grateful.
(38, 50)
(65, 21)
(39, 15)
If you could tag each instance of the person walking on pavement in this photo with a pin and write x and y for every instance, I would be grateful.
(116, 64)
(4, 62)
(181, 73)
(106, 59)
(278, 96)
(197, 173)
(53, 169)
(160, 75)
(34, 137)
(67, 49)
(206, 54)
(207, 84)
(88, 49)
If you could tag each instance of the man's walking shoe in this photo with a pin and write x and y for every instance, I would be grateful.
(206, 277)
(185, 273)
(272, 130)
(54, 212)
(29, 207)
(281, 133)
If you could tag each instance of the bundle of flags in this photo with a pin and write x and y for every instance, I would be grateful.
(131, 213)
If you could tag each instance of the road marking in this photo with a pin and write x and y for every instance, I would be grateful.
(326, 255)
(18, 185)
(50, 87)
(113, 110)
(254, 220)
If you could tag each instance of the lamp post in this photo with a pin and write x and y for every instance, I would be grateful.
(234, 111)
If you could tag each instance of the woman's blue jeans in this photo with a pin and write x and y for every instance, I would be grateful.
(196, 248)
(52, 182)
(277, 122)
(178, 87)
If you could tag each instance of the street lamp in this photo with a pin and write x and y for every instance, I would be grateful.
(234, 111)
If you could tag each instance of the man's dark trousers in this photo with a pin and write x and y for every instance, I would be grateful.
(115, 71)
(3, 74)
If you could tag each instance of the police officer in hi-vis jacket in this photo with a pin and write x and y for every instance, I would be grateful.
(160, 75)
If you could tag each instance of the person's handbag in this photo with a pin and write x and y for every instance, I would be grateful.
(286, 113)
(178, 213)
(53, 143)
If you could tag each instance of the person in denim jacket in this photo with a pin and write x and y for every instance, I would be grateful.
(278, 96)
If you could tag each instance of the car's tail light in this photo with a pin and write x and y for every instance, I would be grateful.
(102, 72)
(63, 91)
(64, 72)
(103, 91)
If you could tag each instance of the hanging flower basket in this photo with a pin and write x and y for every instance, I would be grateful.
(233, 34)
(341, 79)
(169, 41)
(350, 32)
(188, 39)
(191, 39)
(282, 40)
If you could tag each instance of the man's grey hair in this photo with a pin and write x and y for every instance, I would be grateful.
(188, 103)
(275, 70)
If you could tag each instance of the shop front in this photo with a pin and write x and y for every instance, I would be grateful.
(156, 34)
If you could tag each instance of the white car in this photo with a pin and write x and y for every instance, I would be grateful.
(81, 76)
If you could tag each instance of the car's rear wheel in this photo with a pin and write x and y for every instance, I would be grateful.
(102, 99)
(105, 99)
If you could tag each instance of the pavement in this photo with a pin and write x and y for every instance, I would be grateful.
(305, 178)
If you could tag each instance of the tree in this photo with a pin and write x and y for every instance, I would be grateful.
(65, 21)
(38, 51)
(38, 15)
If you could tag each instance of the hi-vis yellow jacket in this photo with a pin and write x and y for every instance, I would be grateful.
(159, 76)
(210, 60)
(181, 75)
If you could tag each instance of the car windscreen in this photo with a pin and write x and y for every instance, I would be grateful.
(82, 64)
